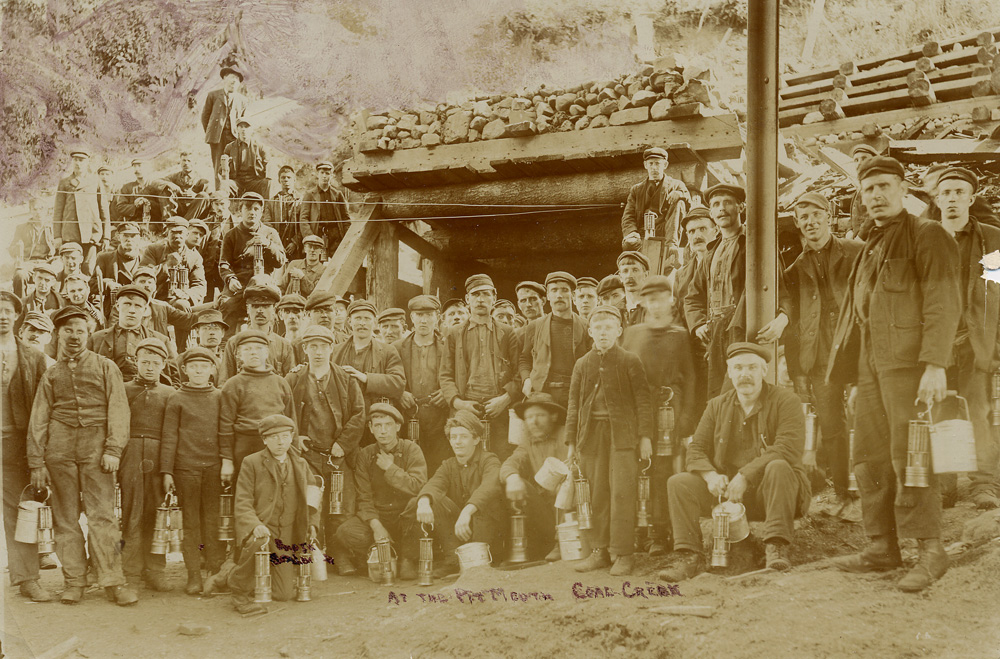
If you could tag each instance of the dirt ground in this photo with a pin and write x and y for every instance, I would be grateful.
(811, 611)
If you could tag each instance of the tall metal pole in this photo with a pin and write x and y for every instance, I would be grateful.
(762, 164)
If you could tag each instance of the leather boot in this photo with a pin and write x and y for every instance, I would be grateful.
(194, 584)
(623, 566)
(598, 558)
(882, 554)
(932, 563)
(687, 564)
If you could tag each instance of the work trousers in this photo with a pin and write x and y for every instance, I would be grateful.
(484, 528)
(22, 557)
(496, 443)
(142, 493)
(659, 472)
(198, 492)
(244, 444)
(539, 509)
(242, 581)
(330, 523)
(432, 441)
(613, 474)
(831, 417)
(974, 385)
(883, 409)
(720, 336)
(774, 500)
(357, 536)
(73, 459)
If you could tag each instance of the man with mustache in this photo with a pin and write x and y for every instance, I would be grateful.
(261, 301)
(116, 268)
(817, 282)
(657, 197)
(374, 364)
(78, 429)
(894, 339)
(173, 252)
(633, 267)
(223, 108)
(530, 299)
(747, 448)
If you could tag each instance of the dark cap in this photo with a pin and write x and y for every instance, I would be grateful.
(609, 283)
(250, 336)
(226, 70)
(696, 213)
(317, 332)
(424, 303)
(540, 399)
(275, 423)
(136, 161)
(13, 299)
(79, 151)
(532, 285)
(153, 345)
(361, 305)
(638, 257)
(391, 313)
(318, 299)
(734, 190)
(47, 268)
(104, 168)
(504, 303)
(880, 165)
(144, 271)
(479, 283)
(197, 353)
(128, 227)
(385, 408)
(243, 121)
(864, 148)
(268, 293)
(200, 224)
(134, 290)
(60, 317)
(813, 199)
(39, 320)
(961, 174)
(211, 317)
(292, 301)
(451, 303)
(586, 282)
(654, 153)
(606, 309)
(655, 284)
(740, 348)
(467, 420)
(252, 196)
(559, 275)
(177, 221)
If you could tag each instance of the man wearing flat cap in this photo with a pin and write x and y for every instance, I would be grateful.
(550, 345)
(36, 331)
(78, 429)
(120, 341)
(454, 312)
(331, 413)
(976, 352)
(504, 311)
(180, 271)
(391, 324)
(894, 338)
(633, 268)
(77, 215)
(585, 296)
(748, 449)
(479, 369)
(44, 294)
(291, 311)
(321, 309)
(389, 473)
(530, 299)
(124, 202)
(71, 255)
(611, 293)
(210, 329)
(421, 353)
(248, 162)
(116, 267)
(374, 364)
(223, 108)
(301, 275)
(283, 210)
(33, 243)
(981, 207)
(654, 206)
(324, 209)
(817, 285)
(261, 300)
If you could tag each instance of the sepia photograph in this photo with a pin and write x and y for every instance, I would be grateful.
(517, 328)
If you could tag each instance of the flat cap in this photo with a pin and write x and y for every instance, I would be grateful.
(586, 282)
(654, 153)
(540, 399)
(361, 305)
(144, 271)
(880, 165)
(655, 284)
(320, 300)
(275, 423)
(961, 174)
(69, 248)
(243, 121)
(13, 299)
(385, 408)
(134, 290)
(136, 161)
(79, 151)
(104, 168)
(313, 239)
(391, 313)
(479, 283)
(861, 147)
(211, 317)
(638, 257)
(128, 228)
(177, 221)
(469, 421)
(47, 268)
(560, 276)
(153, 345)
(606, 309)
(743, 347)
(197, 353)
(813, 199)
(696, 213)
(317, 333)
(250, 336)
(292, 301)
(609, 283)
(200, 224)
(532, 285)
(39, 320)
(60, 317)
(424, 303)
(266, 292)
(253, 196)
(734, 190)
(451, 303)
(499, 304)
(324, 164)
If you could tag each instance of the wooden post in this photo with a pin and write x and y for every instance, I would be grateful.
(350, 254)
(383, 272)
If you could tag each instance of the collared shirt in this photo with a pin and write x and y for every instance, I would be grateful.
(720, 284)
(868, 266)
(479, 341)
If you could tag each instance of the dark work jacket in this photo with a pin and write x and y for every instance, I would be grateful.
(213, 114)
(981, 301)
(780, 423)
(386, 379)
(347, 406)
(648, 195)
(536, 348)
(807, 315)
(454, 376)
(257, 494)
(103, 343)
(477, 483)
(914, 307)
(626, 389)
(30, 368)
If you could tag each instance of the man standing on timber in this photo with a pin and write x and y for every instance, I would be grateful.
(657, 199)
(324, 210)
(223, 108)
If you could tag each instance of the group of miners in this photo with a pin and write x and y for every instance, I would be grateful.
(159, 342)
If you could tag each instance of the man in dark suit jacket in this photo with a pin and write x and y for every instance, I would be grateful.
(33, 243)
(248, 162)
(223, 107)
(659, 194)
(125, 201)
(118, 342)
(191, 193)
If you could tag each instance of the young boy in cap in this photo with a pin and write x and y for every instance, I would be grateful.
(658, 195)
(585, 297)
(391, 324)
(664, 348)
(261, 300)
(191, 462)
(504, 312)
(210, 328)
(609, 424)
(331, 414)
(139, 472)
(119, 343)
(389, 473)
(247, 397)
(301, 275)
(79, 427)
(373, 363)
(462, 499)
(291, 309)
(271, 508)
(543, 438)
(421, 353)
(283, 210)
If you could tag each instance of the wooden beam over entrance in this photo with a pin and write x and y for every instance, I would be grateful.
(350, 254)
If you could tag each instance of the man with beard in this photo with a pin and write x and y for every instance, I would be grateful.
(223, 108)
(324, 210)
(119, 342)
(173, 253)
(585, 297)
(530, 299)
(656, 197)
(78, 429)
(301, 275)
(373, 363)
(261, 301)
(190, 194)
(77, 215)
(21, 372)
(282, 212)
(116, 268)
(454, 312)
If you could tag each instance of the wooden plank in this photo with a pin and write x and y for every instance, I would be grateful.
(418, 243)
(350, 254)
(945, 149)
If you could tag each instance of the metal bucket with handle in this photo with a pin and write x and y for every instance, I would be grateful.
(953, 442)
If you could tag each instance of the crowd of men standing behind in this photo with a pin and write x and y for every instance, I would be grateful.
(210, 359)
